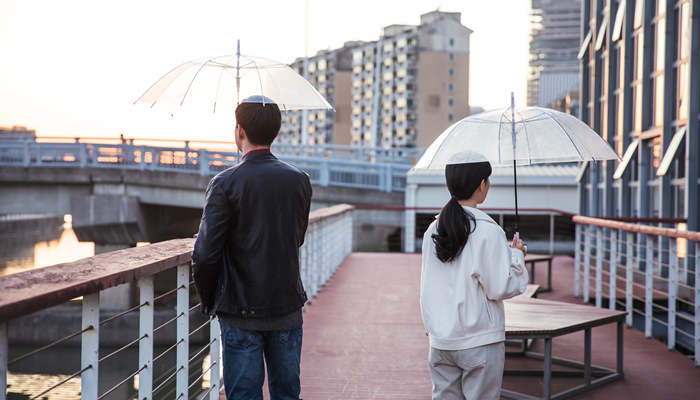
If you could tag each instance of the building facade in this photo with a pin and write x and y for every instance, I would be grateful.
(329, 71)
(640, 89)
(554, 44)
(402, 90)
(412, 83)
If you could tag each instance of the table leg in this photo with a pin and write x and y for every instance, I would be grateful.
(547, 368)
(620, 337)
(532, 272)
(587, 357)
(549, 275)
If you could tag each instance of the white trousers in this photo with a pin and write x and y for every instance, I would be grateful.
(472, 374)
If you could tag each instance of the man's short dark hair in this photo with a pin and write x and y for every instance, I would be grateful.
(261, 122)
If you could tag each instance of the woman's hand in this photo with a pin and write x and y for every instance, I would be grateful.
(519, 244)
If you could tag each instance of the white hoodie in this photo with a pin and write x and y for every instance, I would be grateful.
(462, 301)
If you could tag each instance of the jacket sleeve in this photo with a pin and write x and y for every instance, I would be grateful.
(500, 269)
(208, 247)
(304, 221)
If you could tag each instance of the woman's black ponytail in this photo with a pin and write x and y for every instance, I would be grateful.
(454, 226)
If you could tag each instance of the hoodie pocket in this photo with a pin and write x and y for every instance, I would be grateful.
(486, 305)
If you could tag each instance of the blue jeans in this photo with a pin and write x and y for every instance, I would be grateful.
(244, 371)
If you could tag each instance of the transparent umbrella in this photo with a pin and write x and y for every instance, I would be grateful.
(518, 136)
(225, 81)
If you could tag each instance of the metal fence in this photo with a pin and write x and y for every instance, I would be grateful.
(650, 272)
(348, 166)
(328, 240)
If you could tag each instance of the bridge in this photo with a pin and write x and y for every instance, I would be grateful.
(363, 333)
(121, 192)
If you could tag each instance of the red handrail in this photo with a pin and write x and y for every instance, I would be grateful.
(646, 229)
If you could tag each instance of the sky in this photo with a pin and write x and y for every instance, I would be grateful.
(74, 68)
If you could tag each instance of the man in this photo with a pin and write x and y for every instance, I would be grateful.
(246, 259)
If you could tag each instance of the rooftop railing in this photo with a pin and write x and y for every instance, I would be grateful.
(650, 272)
(328, 240)
(328, 165)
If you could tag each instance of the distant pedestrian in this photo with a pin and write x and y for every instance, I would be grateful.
(246, 259)
(468, 269)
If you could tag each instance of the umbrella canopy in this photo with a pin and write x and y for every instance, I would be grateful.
(224, 81)
(540, 135)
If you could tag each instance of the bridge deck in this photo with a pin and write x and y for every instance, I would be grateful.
(364, 339)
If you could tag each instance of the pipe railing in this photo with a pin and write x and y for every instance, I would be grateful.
(648, 271)
(326, 165)
(328, 240)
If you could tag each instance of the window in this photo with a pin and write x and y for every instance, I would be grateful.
(452, 56)
(322, 64)
(450, 101)
(357, 56)
(671, 152)
(401, 57)
(450, 117)
(629, 153)
(619, 18)
(369, 66)
(312, 67)
(388, 76)
(451, 87)
(388, 47)
(401, 73)
(401, 102)
(452, 72)
(452, 42)
(401, 43)
(434, 100)
(401, 88)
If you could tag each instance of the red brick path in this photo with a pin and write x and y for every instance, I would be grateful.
(364, 339)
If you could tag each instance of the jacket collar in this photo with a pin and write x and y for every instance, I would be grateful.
(257, 154)
(479, 215)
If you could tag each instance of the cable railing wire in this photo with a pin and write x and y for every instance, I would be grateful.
(113, 388)
(126, 346)
(50, 345)
(61, 382)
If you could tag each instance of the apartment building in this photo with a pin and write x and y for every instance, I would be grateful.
(401, 90)
(412, 83)
(329, 71)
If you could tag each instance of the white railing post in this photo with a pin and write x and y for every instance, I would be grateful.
(316, 257)
(599, 251)
(580, 229)
(672, 291)
(697, 302)
(551, 233)
(90, 347)
(612, 300)
(629, 276)
(648, 286)
(215, 360)
(203, 160)
(27, 156)
(3, 361)
(183, 331)
(324, 173)
(587, 263)
(146, 333)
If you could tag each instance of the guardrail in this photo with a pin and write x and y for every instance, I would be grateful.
(327, 165)
(328, 240)
(650, 272)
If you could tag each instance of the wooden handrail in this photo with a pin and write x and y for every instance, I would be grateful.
(646, 229)
(29, 291)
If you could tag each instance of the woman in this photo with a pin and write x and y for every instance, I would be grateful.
(468, 269)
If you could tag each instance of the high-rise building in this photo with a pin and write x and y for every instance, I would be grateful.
(399, 91)
(329, 71)
(554, 44)
(412, 83)
(640, 89)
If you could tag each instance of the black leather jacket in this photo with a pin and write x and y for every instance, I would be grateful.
(246, 257)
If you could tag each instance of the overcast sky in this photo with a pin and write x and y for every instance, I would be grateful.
(73, 68)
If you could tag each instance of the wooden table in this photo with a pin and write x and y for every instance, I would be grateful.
(530, 318)
(532, 260)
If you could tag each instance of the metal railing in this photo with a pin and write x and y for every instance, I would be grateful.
(328, 240)
(650, 272)
(328, 165)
